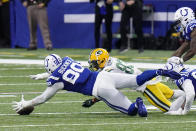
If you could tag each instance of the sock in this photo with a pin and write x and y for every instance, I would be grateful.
(146, 76)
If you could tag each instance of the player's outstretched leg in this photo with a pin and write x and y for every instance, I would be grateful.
(142, 111)
(149, 74)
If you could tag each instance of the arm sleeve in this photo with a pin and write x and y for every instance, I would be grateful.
(47, 94)
(43, 76)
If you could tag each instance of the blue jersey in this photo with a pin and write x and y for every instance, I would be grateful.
(74, 77)
(187, 74)
(189, 28)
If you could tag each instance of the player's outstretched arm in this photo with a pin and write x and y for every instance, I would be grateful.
(40, 76)
(45, 96)
(192, 50)
(90, 102)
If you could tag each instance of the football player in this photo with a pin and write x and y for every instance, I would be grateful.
(156, 93)
(187, 83)
(186, 24)
(67, 74)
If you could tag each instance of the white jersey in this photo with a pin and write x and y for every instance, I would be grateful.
(116, 65)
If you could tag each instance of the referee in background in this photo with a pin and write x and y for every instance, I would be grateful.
(103, 10)
(37, 15)
(4, 24)
(131, 8)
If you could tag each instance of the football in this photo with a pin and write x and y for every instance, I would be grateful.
(26, 111)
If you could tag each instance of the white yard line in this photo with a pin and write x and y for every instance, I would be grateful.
(98, 124)
(4, 69)
(12, 76)
(22, 84)
(19, 93)
(7, 96)
(84, 63)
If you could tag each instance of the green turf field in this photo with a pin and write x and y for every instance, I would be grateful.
(64, 110)
(158, 56)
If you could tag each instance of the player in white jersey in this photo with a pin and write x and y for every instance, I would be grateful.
(186, 24)
(158, 94)
(67, 74)
(187, 83)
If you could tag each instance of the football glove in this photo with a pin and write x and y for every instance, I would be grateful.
(169, 73)
(175, 59)
(39, 76)
(22, 107)
(36, 77)
(90, 102)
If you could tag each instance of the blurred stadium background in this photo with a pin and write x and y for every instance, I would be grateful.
(71, 23)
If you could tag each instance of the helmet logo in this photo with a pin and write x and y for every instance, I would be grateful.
(99, 52)
(184, 12)
(46, 62)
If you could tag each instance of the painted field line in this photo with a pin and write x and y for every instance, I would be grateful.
(13, 76)
(98, 124)
(19, 93)
(7, 96)
(4, 69)
(84, 63)
(22, 84)
(71, 113)
(66, 113)
(55, 102)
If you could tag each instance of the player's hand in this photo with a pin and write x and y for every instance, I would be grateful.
(169, 73)
(36, 77)
(90, 102)
(175, 59)
(178, 112)
(18, 106)
(184, 112)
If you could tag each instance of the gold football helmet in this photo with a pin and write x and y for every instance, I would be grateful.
(98, 58)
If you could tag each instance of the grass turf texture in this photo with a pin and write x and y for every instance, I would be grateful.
(64, 111)
(158, 56)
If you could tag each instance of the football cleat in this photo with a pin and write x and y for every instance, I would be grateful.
(142, 111)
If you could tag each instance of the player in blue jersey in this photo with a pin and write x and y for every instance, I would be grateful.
(67, 74)
(187, 83)
(186, 24)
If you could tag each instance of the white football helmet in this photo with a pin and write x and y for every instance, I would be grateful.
(182, 17)
(174, 67)
(175, 59)
(52, 62)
